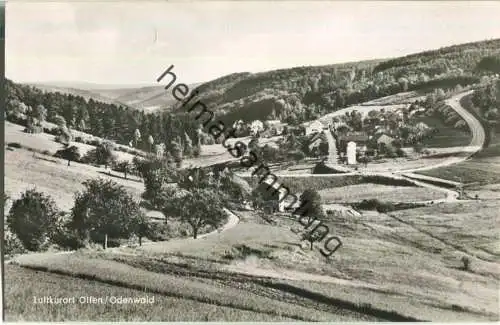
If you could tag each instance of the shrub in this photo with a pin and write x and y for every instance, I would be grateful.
(14, 145)
(374, 204)
(32, 217)
(196, 151)
(311, 204)
(65, 136)
(123, 166)
(370, 204)
(53, 131)
(158, 231)
(466, 263)
(101, 155)
(382, 180)
(321, 168)
(65, 237)
(385, 207)
(12, 244)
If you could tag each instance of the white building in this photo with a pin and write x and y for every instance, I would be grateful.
(275, 126)
(314, 127)
(351, 153)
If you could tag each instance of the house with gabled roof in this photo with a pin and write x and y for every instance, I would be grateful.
(358, 137)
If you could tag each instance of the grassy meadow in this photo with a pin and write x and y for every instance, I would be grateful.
(386, 193)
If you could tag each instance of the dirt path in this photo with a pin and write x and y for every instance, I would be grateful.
(232, 221)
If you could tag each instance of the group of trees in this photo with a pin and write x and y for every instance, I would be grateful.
(104, 212)
(487, 99)
(103, 209)
(196, 196)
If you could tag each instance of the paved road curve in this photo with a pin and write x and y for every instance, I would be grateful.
(476, 129)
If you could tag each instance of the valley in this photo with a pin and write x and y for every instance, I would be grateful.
(417, 211)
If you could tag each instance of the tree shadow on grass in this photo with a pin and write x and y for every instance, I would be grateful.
(290, 243)
(47, 159)
(119, 176)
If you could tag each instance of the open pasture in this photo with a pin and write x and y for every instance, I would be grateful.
(359, 192)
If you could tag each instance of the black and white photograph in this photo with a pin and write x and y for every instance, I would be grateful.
(251, 161)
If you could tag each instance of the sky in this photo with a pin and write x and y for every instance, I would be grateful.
(132, 43)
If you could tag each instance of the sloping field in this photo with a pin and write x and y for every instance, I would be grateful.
(413, 256)
(210, 154)
(447, 136)
(23, 170)
(44, 141)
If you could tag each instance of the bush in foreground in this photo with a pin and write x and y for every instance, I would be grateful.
(12, 244)
(32, 217)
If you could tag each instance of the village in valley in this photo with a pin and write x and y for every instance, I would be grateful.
(117, 194)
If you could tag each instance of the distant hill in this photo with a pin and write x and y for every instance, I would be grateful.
(86, 85)
(86, 94)
(147, 98)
